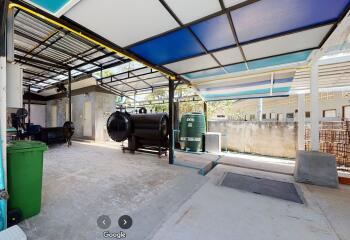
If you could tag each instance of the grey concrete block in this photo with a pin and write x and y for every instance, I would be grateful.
(316, 168)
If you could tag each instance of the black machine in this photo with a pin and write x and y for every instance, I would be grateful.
(48, 135)
(145, 132)
(56, 134)
(18, 122)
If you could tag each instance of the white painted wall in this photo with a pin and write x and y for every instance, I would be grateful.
(102, 105)
(38, 114)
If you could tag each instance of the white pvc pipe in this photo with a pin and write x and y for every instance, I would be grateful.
(3, 117)
(301, 122)
(259, 111)
(315, 109)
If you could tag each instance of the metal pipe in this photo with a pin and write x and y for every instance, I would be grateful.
(29, 103)
(70, 95)
(171, 121)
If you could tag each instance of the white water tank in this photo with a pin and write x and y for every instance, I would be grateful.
(213, 142)
(14, 79)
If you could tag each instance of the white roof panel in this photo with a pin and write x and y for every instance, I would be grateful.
(189, 11)
(192, 64)
(229, 56)
(287, 43)
(123, 22)
(230, 3)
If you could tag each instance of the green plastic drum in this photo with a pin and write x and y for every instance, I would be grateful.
(192, 128)
(24, 174)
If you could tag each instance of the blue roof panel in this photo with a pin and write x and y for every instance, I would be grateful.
(256, 64)
(168, 48)
(273, 17)
(52, 6)
(214, 33)
(280, 60)
(246, 94)
(239, 67)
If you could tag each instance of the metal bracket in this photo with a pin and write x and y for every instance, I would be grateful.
(4, 195)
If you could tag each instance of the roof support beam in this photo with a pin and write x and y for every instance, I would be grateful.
(131, 72)
(51, 46)
(40, 62)
(123, 83)
(40, 67)
(45, 58)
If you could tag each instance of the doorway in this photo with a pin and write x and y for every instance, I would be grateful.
(87, 131)
(54, 116)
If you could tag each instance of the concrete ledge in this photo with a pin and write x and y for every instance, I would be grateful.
(316, 168)
(13, 233)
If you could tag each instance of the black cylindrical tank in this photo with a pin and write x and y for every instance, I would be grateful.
(145, 127)
(119, 126)
(150, 126)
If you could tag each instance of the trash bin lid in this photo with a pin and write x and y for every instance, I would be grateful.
(15, 146)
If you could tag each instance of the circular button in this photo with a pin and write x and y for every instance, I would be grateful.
(125, 222)
(104, 222)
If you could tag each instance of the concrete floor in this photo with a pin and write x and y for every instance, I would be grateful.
(173, 202)
(85, 181)
(216, 212)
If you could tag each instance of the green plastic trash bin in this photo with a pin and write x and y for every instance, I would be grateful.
(24, 175)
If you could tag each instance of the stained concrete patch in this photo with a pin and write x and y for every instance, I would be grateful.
(262, 186)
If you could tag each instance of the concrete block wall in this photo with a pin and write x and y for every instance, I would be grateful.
(102, 105)
(105, 106)
(264, 138)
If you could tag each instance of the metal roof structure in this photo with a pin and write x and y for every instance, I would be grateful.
(197, 40)
(47, 53)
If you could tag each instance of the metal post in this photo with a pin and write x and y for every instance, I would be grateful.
(315, 109)
(272, 81)
(70, 95)
(301, 122)
(205, 107)
(135, 102)
(29, 103)
(259, 111)
(171, 122)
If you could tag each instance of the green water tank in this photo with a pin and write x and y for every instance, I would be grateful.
(192, 128)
